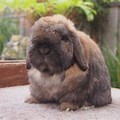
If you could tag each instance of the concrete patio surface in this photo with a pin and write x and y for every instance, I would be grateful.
(12, 107)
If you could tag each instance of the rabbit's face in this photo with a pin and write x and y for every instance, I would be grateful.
(55, 46)
(51, 48)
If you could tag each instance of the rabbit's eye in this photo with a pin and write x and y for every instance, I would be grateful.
(64, 38)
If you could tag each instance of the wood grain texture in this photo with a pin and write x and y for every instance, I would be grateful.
(13, 73)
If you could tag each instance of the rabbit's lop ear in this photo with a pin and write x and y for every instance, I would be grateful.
(79, 53)
(28, 66)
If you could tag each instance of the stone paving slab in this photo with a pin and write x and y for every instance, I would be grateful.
(12, 107)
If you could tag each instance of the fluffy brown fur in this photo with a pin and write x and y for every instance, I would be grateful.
(66, 66)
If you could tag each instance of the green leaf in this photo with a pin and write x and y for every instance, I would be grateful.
(88, 9)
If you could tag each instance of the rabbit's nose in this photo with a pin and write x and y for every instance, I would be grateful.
(43, 67)
(44, 51)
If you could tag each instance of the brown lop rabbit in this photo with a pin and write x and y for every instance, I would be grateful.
(65, 66)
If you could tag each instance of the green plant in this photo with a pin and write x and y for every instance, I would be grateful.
(97, 26)
(113, 63)
(8, 26)
(39, 9)
(51, 7)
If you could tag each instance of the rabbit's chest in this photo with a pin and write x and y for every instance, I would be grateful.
(45, 86)
(51, 84)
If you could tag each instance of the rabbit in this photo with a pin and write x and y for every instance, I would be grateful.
(65, 66)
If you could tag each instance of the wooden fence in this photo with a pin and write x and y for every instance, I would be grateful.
(111, 34)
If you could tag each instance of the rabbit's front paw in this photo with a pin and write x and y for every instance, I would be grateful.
(31, 100)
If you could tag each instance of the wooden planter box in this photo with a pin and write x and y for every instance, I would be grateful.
(13, 73)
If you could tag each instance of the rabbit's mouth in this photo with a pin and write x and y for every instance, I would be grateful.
(45, 69)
